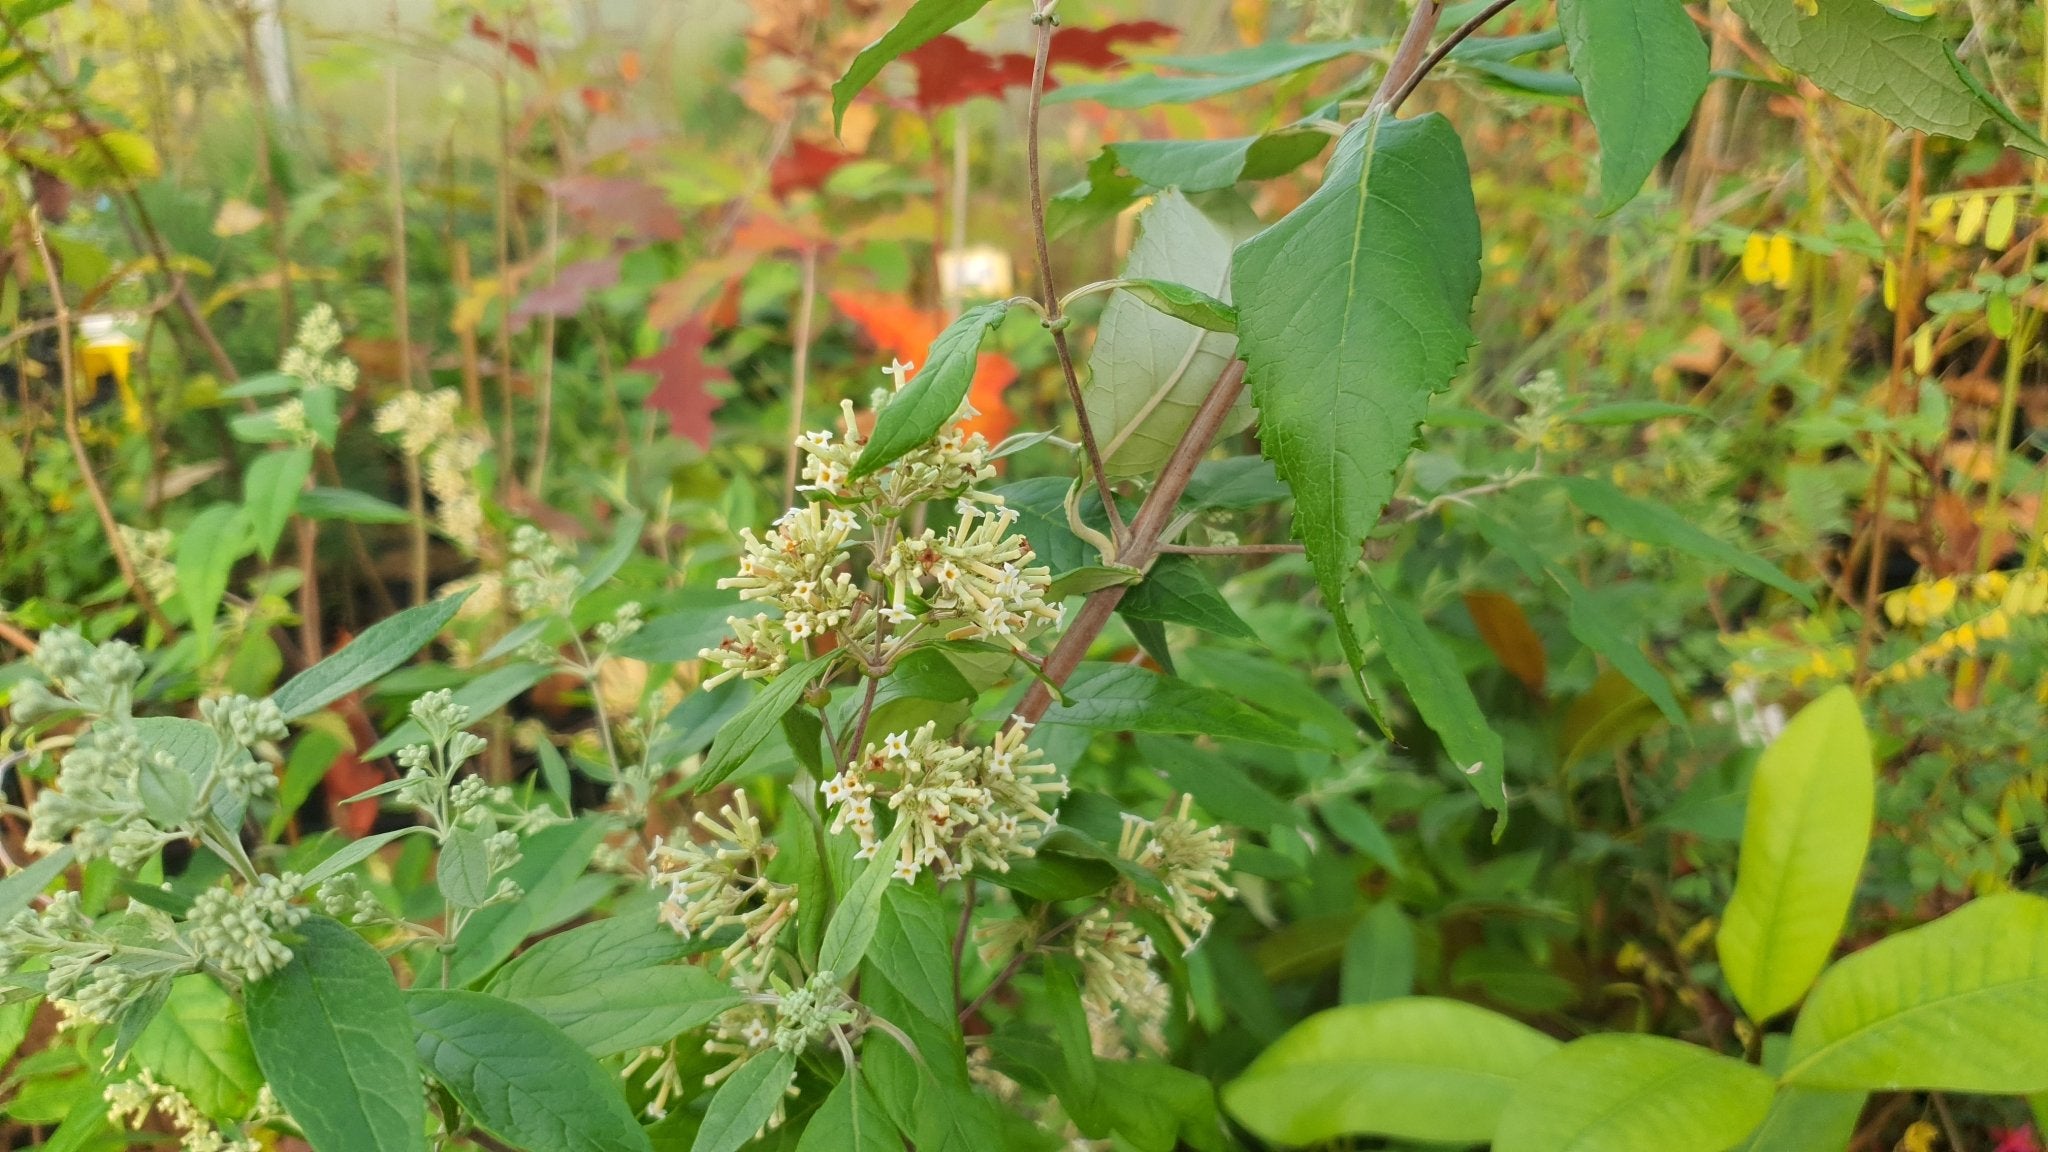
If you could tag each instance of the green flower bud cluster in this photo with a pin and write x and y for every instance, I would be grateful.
(237, 932)
(539, 577)
(806, 1015)
(722, 882)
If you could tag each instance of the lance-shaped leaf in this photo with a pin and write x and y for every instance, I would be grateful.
(1441, 695)
(926, 20)
(1643, 68)
(1351, 311)
(739, 736)
(935, 394)
(1624, 1092)
(1803, 842)
(1150, 369)
(382, 646)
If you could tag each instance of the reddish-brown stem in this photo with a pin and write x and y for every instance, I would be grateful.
(1232, 549)
(1047, 287)
(1142, 543)
(1443, 50)
(1408, 57)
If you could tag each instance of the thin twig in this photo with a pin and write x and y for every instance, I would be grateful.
(961, 934)
(1408, 57)
(1049, 290)
(538, 474)
(1443, 51)
(68, 375)
(800, 373)
(401, 312)
(17, 637)
(1902, 336)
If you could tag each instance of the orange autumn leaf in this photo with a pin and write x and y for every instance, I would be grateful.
(903, 331)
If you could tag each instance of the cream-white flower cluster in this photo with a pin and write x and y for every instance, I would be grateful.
(1119, 984)
(950, 463)
(130, 1103)
(428, 431)
(964, 807)
(722, 882)
(311, 360)
(1189, 861)
(976, 582)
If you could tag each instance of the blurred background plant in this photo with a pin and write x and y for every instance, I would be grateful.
(364, 304)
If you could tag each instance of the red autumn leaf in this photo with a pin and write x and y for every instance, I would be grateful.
(993, 374)
(597, 101)
(1096, 47)
(565, 297)
(804, 168)
(949, 73)
(519, 50)
(608, 206)
(680, 373)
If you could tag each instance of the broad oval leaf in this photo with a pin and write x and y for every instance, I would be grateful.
(933, 397)
(1150, 369)
(518, 1076)
(330, 1033)
(850, 1120)
(1808, 1120)
(199, 1045)
(1625, 1093)
(207, 551)
(1869, 55)
(738, 737)
(1959, 1005)
(382, 647)
(272, 490)
(745, 1101)
(1643, 67)
(1415, 1068)
(464, 869)
(1127, 698)
(1351, 311)
(1803, 841)
(613, 985)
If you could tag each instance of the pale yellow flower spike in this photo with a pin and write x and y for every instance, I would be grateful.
(1756, 259)
(1783, 269)
(2004, 217)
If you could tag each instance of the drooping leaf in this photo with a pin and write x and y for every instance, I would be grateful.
(1221, 74)
(199, 1045)
(762, 716)
(1208, 165)
(207, 551)
(272, 488)
(382, 647)
(1811, 803)
(926, 19)
(1415, 1068)
(1871, 56)
(1658, 525)
(1351, 311)
(1441, 695)
(1150, 371)
(745, 1101)
(1643, 68)
(933, 396)
(1626, 1092)
(1126, 698)
(517, 1076)
(1958, 1005)
(331, 1034)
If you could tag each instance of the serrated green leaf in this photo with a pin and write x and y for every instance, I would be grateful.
(745, 1101)
(518, 1077)
(926, 20)
(1150, 371)
(382, 647)
(271, 491)
(1351, 310)
(1415, 1068)
(1430, 673)
(1811, 803)
(1643, 67)
(934, 396)
(1625, 1093)
(1871, 56)
(1958, 1005)
(739, 736)
(331, 1034)
(198, 1045)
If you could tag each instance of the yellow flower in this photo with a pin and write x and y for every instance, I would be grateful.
(1970, 221)
(1919, 1137)
(1756, 259)
(1782, 267)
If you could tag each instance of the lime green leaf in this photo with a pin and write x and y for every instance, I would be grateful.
(1183, 303)
(1625, 1093)
(926, 20)
(1959, 1005)
(1803, 841)
(1416, 1068)
(1149, 372)
(382, 647)
(518, 1077)
(1351, 310)
(350, 505)
(853, 922)
(934, 396)
(1643, 68)
(745, 1101)
(1440, 692)
(739, 736)
(1808, 1120)
(207, 551)
(1220, 74)
(1127, 698)
(850, 1120)
(1379, 956)
(1658, 525)
(330, 1033)
(1869, 55)
(199, 1046)
(271, 491)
